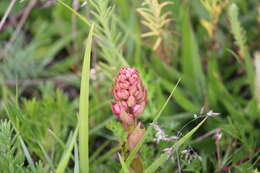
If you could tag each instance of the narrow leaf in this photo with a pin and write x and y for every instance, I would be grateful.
(84, 107)
(82, 18)
(66, 156)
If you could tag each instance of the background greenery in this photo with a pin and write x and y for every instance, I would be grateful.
(210, 45)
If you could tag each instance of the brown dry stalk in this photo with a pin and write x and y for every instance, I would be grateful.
(7, 12)
(19, 26)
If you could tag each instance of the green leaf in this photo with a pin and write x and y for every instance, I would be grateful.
(27, 155)
(66, 156)
(82, 18)
(84, 107)
(191, 61)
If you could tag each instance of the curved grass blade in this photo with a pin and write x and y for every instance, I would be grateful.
(82, 18)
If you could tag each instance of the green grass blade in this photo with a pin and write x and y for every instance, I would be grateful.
(123, 164)
(163, 157)
(76, 156)
(82, 18)
(27, 155)
(65, 158)
(157, 163)
(188, 135)
(165, 104)
(191, 61)
(107, 155)
(84, 107)
(48, 159)
(98, 151)
(61, 143)
(180, 97)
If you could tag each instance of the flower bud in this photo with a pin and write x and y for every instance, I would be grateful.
(135, 136)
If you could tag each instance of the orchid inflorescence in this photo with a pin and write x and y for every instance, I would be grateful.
(130, 96)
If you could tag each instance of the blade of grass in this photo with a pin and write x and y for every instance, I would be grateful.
(165, 104)
(76, 156)
(48, 159)
(163, 157)
(27, 155)
(82, 18)
(180, 97)
(191, 61)
(124, 167)
(107, 155)
(101, 125)
(65, 158)
(97, 152)
(57, 138)
(84, 107)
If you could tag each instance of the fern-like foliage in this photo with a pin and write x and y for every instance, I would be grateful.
(34, 119)
(237, 31)
(11, 156)
(109, 37)
(155, 20)
(117, 130)
(20, 62)
(214, 9)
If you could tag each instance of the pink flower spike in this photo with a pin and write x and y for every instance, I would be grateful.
(129, 92)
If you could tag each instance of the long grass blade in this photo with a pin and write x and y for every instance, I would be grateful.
(48, 159)
(84, 107)
(191, 61)
(65, 158)
(76, 156)
(82, 18)
(27, 155)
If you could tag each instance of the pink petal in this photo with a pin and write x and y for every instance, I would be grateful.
(138, 109)
(131, 101)
(116, 109)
